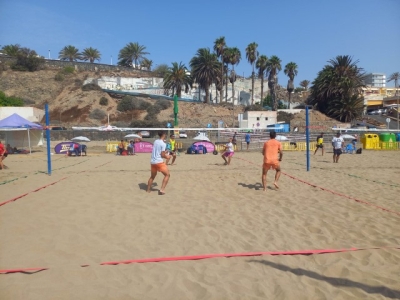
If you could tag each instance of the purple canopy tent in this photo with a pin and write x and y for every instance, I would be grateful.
(17, 123)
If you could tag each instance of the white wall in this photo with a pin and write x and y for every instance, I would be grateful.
(30, 113)
(262, 118)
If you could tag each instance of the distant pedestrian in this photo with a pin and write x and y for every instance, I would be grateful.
(3, 155)
(234, 138)
(247, 138)
(271, 161)
(338, 144)
(172, 149)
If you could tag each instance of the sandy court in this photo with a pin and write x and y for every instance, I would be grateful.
(97, 210)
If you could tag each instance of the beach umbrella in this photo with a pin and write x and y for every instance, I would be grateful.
(281, 138)
(176, 109)
(80, 139)
(348, 137)
(132, 135)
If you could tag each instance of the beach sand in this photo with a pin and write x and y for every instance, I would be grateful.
(98, 211)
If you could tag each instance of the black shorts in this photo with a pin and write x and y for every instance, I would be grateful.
(320, 146)
(5, 154)
(248, 143)
(337, 151)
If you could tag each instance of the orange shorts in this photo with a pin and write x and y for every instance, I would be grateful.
(274, 166)
(161, 167)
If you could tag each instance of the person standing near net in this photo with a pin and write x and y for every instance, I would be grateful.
(172, 150)
(271, 161)
(247, 138)
(337, 143)
(157, 163)
(320, 143)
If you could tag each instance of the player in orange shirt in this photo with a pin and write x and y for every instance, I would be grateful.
(270, 151)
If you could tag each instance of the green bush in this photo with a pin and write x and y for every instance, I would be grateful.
(59, 77)
(10, 101)
(163, 104)
(28, 60)
(91, 87)
(141, 104)
(103, 101)
(153, 110)
(125, 104)
(97, 114)
(68, 70)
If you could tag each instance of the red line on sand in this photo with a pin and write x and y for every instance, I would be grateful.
(333, 192)
(208, 256)
(45, 186)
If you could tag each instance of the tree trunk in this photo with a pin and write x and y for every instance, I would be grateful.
(221, 92)
(226, 86)
(289, 99)
(262, 89)
(252, 86)
(207, 89)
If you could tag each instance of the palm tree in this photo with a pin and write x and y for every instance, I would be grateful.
(261, 65)
(205, 68)
(70, 53)
(251, 55)
(394, 77)
(305, 84)
(132, 52)
(219, 48)
(90, 54)
(234, 59)
(147, 63)
(11, 50)
(337, 87)
(176, 78)
(291, 71)
(273, 67)
(347, 109)
(161, 70)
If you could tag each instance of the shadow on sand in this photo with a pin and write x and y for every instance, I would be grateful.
(334, 281)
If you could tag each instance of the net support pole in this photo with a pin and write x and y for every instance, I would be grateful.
(307, 140)
(46, 109)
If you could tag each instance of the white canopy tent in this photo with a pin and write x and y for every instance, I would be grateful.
(21, 133)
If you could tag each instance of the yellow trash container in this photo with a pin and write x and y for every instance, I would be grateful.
(370, 141)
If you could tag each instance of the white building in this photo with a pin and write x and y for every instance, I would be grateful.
(375, 79)
(257, 119)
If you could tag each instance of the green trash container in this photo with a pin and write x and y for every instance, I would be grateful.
(387, 137)
(388, 140)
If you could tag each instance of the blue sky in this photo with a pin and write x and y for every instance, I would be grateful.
(308, 33)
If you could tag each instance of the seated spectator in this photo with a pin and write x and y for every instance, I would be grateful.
(130, 148)
(121, 147)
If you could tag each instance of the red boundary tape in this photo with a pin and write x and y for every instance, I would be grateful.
(208, 256)
(333, 192)
(45, 186)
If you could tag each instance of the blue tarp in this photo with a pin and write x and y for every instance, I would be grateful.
(16, 121)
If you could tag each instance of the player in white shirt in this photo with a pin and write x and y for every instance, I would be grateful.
(228, 152)
(337, 143)
(157, 163)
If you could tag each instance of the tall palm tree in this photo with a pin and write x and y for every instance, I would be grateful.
(219, 48)
(70, 53)
(337, 87)
(132, 52)
(252, 55)
(11, 50)
(273, 67)
(234, 59)
(261, 65)
(205, 68)
(291, 71)
(176, 78)
(394, 77)
(305, 84)
(90, 54)
(147, 63)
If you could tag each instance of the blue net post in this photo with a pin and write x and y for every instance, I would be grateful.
(307, 140)
(46, 109)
